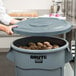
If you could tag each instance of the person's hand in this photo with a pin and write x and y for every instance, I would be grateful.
(14, 21)
(9, 29)
(24, 19)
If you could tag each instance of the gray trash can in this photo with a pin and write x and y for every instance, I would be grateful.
(40, 62)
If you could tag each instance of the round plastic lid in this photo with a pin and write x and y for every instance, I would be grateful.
(42, 27)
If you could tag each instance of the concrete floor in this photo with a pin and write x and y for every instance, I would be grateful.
(69, 69)
(7, 67)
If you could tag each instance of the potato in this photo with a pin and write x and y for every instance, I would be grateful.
(49, 47)
(47, 43)
(39, 44)
(55, 46)
(31, 43)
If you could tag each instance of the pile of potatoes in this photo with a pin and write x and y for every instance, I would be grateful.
(39, 46)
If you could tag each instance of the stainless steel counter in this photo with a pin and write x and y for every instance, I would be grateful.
(6, 40)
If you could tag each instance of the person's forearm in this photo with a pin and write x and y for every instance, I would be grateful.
(3, 27)
(7, 29)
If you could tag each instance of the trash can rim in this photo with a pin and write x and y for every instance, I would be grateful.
(41, 51)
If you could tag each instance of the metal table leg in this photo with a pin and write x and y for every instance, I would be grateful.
(75, 56)
(64, 35)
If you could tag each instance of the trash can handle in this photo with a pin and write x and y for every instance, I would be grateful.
(68, 55)
(10, 55)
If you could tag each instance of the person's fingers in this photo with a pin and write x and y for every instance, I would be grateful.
(10, 32)
(13, 26)
(24, 19)
(9, 29)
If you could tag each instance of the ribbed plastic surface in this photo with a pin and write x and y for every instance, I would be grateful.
(42, 27)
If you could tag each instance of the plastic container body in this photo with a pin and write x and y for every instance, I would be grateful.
(39, 62)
